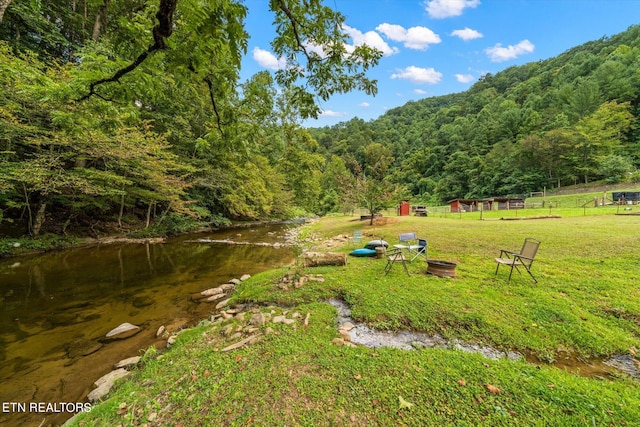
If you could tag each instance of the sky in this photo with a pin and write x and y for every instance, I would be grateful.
(438, 47)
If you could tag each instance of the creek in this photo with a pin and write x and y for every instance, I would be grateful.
(57, 307)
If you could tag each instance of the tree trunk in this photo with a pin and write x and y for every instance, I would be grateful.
(39, 219)
(317, 259)
(121, 213)
(4, 4)
(100, 21)
(149, 214)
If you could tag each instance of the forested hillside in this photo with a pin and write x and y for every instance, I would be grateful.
(132, 114)
(570, 119)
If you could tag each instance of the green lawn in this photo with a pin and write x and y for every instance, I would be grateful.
(586, 304)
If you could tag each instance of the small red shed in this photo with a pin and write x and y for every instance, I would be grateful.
(404, 209)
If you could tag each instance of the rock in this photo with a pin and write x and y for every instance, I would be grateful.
(227, 287)
(105, 383)
(279, 319)
(239, 344)
(226, 315)
(213, 298)
(257, 319)
(160, 331)
(269, 330)
(171, 340)
(125, 330)
(222, 303)
(289, 321)
(240, 316)
(234, 281)
(337, 341)
(245, 277)
(306, 319)
(82, 347)
(344, 335)
(143, 301)
(127, 363)
(347, 326)
(64, 318)
(211, 291)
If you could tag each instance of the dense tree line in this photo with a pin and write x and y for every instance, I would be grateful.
(570, 119)
(133, 112)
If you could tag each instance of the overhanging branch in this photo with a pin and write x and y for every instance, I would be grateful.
(161, 31)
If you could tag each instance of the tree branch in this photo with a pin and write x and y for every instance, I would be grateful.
(4, 4)
(161, 31)
(294, 27)
(213, 102)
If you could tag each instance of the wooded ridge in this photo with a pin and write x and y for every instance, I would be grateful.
(132, 113)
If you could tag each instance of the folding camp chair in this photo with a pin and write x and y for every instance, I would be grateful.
(393, 256)
(524, 258)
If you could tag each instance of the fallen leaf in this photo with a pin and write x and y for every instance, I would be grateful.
(194, 377)
(238, 358)
(551, 385)
(206, 374)
(462, 382)
(493, 389)
(404, 404)
(357, 377)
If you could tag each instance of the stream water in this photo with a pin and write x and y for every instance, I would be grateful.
(57, 307)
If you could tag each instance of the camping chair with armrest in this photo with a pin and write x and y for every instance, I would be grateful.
(412, 244)
(523, 259)
(395, 255)
(421, 249)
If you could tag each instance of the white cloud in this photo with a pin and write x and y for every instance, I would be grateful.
(500, 54)
(268, 60)
(418, 75)
(370, 38)
(365, 104)
(467, 34)
(420, 92)
(465, 78)
(447, 8)
(413, 38)
(330, 113)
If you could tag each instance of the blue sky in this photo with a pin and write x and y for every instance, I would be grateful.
(437, 47)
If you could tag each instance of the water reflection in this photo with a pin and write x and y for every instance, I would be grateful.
(57, 307)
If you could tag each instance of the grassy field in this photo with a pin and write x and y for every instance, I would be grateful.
(586, 304)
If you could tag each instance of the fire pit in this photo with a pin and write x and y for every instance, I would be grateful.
(441, 268)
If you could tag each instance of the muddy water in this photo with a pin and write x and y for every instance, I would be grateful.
(57, 307)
